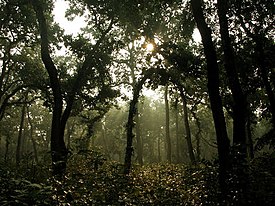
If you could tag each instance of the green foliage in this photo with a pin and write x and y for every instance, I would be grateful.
(91, 180)
(20, 191)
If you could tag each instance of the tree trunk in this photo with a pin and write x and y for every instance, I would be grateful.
(58, 148)
(159, 153)
(250, 147)
(214, 95)
(177, 131)
(187, 129)
(107, 152)
(7, 148)
(240, 104)
(31, 136)
(167, 127)
(198, 136)
(130, 122)
(130, 125)
(132, 66)
(20, 136)
(69, 128)
(139, 139)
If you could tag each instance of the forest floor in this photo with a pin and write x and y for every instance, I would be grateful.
(93, 181)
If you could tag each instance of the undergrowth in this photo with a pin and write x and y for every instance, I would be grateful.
(91, 180)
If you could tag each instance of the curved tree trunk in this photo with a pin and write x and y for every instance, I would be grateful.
(58, 148)
(59, 151)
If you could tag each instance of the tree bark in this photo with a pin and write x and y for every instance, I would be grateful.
(239, 102)
(31, 136)
(250, 147)
(187, 128)
(103, 133)
(7, 146)
(58, 148)
(214, 94)
(167, 127)
(198, 136)
(20, 136)
(239, 99)
(60, 117)
(130, 122)
(177, 131)
(159, 153)
(132, 66)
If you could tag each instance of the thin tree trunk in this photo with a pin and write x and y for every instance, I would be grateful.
(70, 129)
(159, 153)
(167, 126)
(187, 129)
(139, 140)
(7, 148)
(20, 136)
(31, 136)
(214, 95)
(107, 152)
(249, 138)
(177, 132)
(198, 136)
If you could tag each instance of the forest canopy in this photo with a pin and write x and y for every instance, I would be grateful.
(132, 109)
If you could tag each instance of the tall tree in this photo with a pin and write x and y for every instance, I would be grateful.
(60, 114)
(239, 98)
(133, 67)
(214, 94)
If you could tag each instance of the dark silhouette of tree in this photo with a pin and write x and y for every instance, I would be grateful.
(60, 114)
(214, 94)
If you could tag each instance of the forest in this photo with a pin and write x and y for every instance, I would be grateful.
(161, 102)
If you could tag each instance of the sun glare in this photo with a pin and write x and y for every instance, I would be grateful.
(149, 47)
